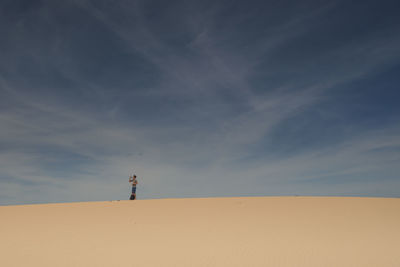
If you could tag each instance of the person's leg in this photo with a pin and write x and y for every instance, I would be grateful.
(134, 192)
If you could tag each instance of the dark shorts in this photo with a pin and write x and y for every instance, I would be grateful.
(133, 189)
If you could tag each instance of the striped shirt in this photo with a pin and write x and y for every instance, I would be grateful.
(133, 181)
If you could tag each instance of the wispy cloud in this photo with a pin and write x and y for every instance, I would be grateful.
(200, 99)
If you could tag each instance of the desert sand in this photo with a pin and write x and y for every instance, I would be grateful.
(259, 231)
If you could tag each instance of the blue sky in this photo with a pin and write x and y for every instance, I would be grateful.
(199, 98)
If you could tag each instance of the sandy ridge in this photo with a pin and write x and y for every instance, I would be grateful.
(256, 231)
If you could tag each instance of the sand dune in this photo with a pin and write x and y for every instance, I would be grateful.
(262, 231)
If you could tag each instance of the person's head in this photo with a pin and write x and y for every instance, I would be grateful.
(134, 176)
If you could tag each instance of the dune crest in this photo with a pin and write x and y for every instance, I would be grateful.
(256, 231)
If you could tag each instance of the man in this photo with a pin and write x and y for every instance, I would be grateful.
(134, 182)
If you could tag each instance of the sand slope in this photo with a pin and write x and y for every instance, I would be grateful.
(265, 231)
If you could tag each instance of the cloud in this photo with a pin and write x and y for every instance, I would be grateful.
(200, 99)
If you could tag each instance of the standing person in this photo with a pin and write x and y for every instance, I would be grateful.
(134, 182)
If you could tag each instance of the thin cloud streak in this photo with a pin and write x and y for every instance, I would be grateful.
(206, 125)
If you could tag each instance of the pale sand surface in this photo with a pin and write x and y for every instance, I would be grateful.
(262, 231)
